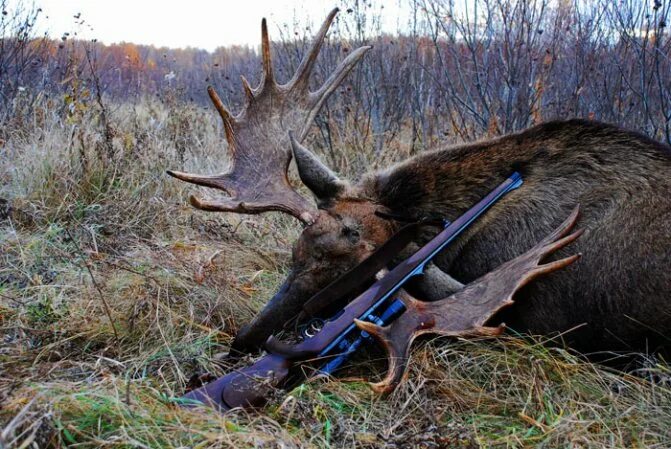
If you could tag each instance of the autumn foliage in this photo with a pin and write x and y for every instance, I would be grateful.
(449, 75)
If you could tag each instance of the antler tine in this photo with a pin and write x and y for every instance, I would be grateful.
(214, 181)
(318, 97)
(249, 92)
(563, 228)
(557, 264)
(265, 51)
(226, 116)
(295, 208)
(558, 244)
(397, 344)
(302, 74)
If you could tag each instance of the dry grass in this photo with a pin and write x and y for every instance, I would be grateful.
(113, 293)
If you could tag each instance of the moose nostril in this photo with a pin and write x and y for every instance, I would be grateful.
(351, 234)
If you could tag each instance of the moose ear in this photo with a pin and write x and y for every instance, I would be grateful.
(316, 176)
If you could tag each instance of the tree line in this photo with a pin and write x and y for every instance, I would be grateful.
(453, 72)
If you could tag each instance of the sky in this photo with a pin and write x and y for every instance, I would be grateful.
(194, 23)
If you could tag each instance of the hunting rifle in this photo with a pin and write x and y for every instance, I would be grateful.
(385, 312)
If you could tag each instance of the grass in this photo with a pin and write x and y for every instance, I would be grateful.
(114, 293)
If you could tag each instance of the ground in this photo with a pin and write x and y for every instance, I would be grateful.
(114, 293)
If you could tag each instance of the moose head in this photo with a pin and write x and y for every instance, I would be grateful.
(341, 229)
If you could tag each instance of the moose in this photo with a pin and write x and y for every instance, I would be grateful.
(616, 298)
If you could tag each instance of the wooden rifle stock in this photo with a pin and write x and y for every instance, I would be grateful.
(248, 387)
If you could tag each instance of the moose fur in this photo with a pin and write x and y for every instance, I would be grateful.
(619, 295)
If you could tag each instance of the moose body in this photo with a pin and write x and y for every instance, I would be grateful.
(615, 298)
(619, 295)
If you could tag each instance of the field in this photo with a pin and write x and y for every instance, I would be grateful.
(114, 293)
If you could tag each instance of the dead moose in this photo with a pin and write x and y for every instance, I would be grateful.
(618, 297)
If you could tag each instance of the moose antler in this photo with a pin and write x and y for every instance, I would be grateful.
(258, 140)
(466, 312)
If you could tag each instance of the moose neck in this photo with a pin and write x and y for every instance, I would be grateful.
(446, 182)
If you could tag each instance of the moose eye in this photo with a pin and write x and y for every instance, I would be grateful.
(352, 234)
